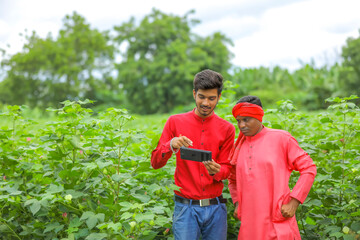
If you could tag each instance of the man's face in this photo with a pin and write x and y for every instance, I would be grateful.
(205, 101)
(249, 126)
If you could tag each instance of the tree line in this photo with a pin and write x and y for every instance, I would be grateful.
(148, 67)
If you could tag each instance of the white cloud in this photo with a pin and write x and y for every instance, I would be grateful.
(233, 26)
(4, 29)
(296, 31)
(265, 33)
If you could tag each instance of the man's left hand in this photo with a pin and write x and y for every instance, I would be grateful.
(212, 167)
(288, 210)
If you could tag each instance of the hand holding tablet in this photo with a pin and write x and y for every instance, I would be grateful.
(193, 154)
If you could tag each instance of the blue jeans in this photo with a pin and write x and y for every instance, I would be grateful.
(191, 221)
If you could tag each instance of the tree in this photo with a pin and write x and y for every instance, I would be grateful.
(161, 59)
(50, 70)
(350, 75)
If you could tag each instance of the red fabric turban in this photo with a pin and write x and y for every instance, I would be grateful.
(246, 109)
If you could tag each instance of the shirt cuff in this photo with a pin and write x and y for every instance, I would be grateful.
(217, 176)
(167, 146)
(297, 198)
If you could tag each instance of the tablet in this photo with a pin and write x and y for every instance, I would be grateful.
(193, 154)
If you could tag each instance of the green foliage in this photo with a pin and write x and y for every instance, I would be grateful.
(350, 75)
(86, 176)
(154, 74)
(81, 177)
(307, 87)
(319, 84)
(332, 140)
(161, 59)
(149, 66)
(50, 70)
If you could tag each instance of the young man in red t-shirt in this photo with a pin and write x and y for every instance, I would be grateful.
(199, 206)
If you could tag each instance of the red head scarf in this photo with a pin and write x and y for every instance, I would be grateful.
(244, 109)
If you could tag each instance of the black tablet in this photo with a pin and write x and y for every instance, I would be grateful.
(193, 154)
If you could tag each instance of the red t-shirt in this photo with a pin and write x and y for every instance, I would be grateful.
(212, 134)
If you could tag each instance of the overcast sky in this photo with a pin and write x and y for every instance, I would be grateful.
(265, 32)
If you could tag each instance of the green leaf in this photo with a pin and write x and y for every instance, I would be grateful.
(71, 236)
(126, 215)
(75, 142)
(315, 202)
(332, 229)
(100, 217)
(90, 166)
(115, 226)
(110, 225)
(349, 237)
(140, 217)
(91, 222)
(158, 209)
(148, 235)
(30, 201)
(336, 234)
(74, 194)
(86, 215)
(53, 226)
(142, 197)
(310, 221)
(74, 223)
(276, 126)
(116, 177)
(102, 164)
(355, 226)
(325, 120)
(13, 192)
(92, 219)
(87, 101)
(96, 236)
(35, 207)
(352, 97)
(153, 187)
(125, 206)
(161, 220)
(55, 188)
(173, 187)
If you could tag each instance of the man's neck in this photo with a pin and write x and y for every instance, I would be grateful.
(260, 128)
(202, 116)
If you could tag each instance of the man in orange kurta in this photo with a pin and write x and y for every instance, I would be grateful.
(263, 160)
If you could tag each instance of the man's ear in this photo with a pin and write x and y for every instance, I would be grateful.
(194, 93)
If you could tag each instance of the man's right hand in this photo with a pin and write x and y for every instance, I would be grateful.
(236, 210)
(181, 141)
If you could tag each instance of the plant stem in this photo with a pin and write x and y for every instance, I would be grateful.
(343, 157)
(73, 208)
(302, 222)
(3, 220)
(14, 132)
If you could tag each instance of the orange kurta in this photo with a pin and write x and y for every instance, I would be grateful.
(260, 184)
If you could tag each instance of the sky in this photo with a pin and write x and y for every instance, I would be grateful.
(269, 33)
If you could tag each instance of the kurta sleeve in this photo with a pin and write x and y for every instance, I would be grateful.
(223, 156)
(232, 184)
(161, 154)
(299, 160)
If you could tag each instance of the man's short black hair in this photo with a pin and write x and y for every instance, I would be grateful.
(208, 79)
(250, 99)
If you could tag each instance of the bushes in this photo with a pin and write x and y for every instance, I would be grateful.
(81, 178)
(86, 177)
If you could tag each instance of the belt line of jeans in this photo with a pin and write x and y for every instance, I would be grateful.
(201, 202)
